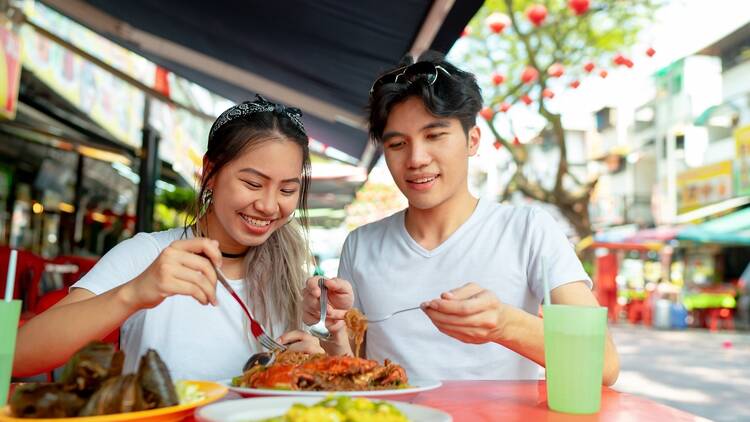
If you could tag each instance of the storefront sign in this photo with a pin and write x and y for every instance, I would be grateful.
(742, 161)
(10, 72)
(109, 101)
(703, 186)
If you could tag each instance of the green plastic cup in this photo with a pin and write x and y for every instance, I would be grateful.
(9, 314)
(574, 353)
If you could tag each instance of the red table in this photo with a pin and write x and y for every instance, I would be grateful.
(475, 401)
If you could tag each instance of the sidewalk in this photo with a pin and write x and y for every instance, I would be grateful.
(706, 374)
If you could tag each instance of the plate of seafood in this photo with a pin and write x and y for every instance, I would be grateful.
(304, 374)
(92, 388)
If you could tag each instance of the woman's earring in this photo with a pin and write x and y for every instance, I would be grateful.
(206, 198)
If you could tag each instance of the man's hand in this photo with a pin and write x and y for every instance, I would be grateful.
(469, 313)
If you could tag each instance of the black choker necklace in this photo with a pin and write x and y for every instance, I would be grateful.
(232, 255)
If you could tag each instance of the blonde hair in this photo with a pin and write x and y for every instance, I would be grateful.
(275, 274)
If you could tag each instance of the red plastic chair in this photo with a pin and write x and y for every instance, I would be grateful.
(84, 264)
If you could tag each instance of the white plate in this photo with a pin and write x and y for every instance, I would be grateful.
(247, 410)
(417, 386)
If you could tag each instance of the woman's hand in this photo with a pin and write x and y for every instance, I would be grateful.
(182, 268)
(469, 313)
(300, 341)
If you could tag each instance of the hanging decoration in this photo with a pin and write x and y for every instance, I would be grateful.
(575, 84)
(504, 107)
(589, 67)
(556, 70)
(497, 144)
(487, 113)
(579, 7)
(536, 14)
(548, 93)
(603, 73)
(526, 99)
(529, 75)
(497, 78)
(497, 22)
(650, 52)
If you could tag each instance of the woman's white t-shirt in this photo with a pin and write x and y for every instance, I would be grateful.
(498, 247)
(195, 341)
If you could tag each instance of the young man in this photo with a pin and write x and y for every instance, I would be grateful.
(475, 266)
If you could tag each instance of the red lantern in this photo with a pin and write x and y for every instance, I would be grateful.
(516, 141)
(619, 59)
(548, 93)
(526, 99)
(589, 67)
(628, 63)
(466, 32)
(529, 75)
(556, 70)
(536, 14)
(487, 113)
(497, 144)
(603, 73)
(650, 52)
(497, 22)
(575, 84)
(504, 107)
(579, 7)
(497, 78)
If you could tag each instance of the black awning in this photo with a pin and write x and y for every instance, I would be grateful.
(326, 50)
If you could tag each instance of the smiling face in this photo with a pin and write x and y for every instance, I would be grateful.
(254, 194)
(427, 155)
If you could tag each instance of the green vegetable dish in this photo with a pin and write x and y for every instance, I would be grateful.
(342, 409)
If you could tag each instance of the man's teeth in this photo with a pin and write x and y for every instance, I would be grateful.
(254, 222)
(424, 179)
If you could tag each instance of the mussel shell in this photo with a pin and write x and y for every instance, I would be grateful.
(154, 378)
(117, 395)
(44, 400)
(90, 367)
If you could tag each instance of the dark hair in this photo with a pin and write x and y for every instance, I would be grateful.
(457, 95)
(248, 131)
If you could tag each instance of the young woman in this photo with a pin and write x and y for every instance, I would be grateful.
(161, 287)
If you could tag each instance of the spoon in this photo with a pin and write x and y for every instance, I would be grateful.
(260, 358)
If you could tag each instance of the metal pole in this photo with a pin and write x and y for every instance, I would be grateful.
(148, 172)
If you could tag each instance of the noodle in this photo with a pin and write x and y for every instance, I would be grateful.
(356, 323)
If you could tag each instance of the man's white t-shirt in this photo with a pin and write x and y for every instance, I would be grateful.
(195, 341)
(499, 247)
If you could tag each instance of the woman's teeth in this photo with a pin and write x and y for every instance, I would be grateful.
(255, 222)
(424, 180)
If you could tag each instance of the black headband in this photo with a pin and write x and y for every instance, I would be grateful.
(260, 105)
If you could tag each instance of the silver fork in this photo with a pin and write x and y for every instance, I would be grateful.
(319, 330)
(258, 331)
(372, 321)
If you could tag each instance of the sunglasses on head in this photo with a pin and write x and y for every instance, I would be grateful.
(408, 74)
